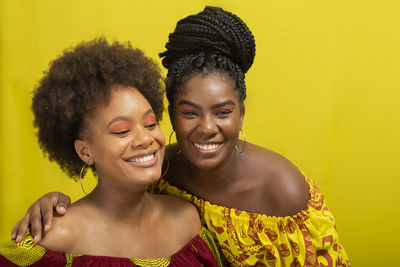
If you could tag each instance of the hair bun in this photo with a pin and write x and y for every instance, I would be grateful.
(213, 30)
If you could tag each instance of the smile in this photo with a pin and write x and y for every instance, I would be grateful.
(147, 160)
(207, 147)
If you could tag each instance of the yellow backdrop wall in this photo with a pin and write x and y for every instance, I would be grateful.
(324, 91)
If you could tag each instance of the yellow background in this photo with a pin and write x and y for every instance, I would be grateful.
(324, 91)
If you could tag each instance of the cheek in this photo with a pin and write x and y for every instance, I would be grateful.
(112, 146)
(159, 136)
(184, 128)
(230, 126)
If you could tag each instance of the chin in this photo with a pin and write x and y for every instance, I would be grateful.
(147, 177)
(153, 177)
(206, 164)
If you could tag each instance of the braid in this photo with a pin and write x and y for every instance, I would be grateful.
(212, 41)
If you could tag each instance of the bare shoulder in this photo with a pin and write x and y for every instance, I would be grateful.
(182, 214)
(281, 181)
(63, 233)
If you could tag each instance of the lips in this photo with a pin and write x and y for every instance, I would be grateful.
(144, 160)
(209, 147)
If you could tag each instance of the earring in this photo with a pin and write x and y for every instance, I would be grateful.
(169, 139)
(244, 143)
(81, 176)
(169, 142)
(165, 172)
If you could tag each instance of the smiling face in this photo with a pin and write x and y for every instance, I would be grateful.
(207, 118)
(123, 140)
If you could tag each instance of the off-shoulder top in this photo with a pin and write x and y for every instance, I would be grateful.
(200, 251)
(308, 238)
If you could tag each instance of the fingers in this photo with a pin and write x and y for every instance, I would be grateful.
(50, 201)
(36, 223)
(21, 228)
(41, 210)
(47, 218)
(14, 230)
(47, 203)
(63, 203)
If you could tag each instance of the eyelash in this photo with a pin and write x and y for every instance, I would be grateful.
(151, 125)
(223, 113)
(189, 113)
(121, 132)
(127, 131)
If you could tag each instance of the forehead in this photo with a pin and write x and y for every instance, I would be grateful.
(123, 100)
(127, 95)
(208, 86)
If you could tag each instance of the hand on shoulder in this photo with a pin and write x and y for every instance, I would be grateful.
(63, 234)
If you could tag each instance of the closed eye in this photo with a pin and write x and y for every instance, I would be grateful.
(151, 125)
(121, 132)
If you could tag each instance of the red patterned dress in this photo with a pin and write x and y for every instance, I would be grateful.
(200, 251)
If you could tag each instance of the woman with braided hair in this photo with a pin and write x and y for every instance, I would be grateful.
(262, 210)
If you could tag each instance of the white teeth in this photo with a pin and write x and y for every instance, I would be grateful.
(206, 147)
(145, 158)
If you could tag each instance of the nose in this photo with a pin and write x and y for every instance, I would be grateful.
(142, 138)
(208, 126)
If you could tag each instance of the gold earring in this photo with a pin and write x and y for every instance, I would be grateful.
(244, 143)
(165, 172)
(169, 139)
(81, 175)
(169, 142)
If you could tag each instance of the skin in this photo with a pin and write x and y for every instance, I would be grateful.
(207, 111)
(119, 209)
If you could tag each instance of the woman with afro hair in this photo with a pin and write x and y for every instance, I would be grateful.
(262, 210)
(98, 106)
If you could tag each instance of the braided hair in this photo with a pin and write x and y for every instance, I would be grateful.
(213, 41)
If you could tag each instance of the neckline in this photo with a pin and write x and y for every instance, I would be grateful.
(89, 256)
(312, 190)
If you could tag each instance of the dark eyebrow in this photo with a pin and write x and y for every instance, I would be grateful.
(185, 102)
(215, 106)
(219, 105)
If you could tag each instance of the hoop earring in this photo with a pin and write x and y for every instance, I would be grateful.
(81, 175)
(169, 139)
(244, 143)
(169, 142)
(166, 170)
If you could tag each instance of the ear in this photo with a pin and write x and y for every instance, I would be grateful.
(82, 148)
(171, 116)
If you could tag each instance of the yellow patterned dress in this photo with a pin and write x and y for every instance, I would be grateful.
(308, 238)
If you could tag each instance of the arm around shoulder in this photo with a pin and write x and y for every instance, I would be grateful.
(62, 236)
